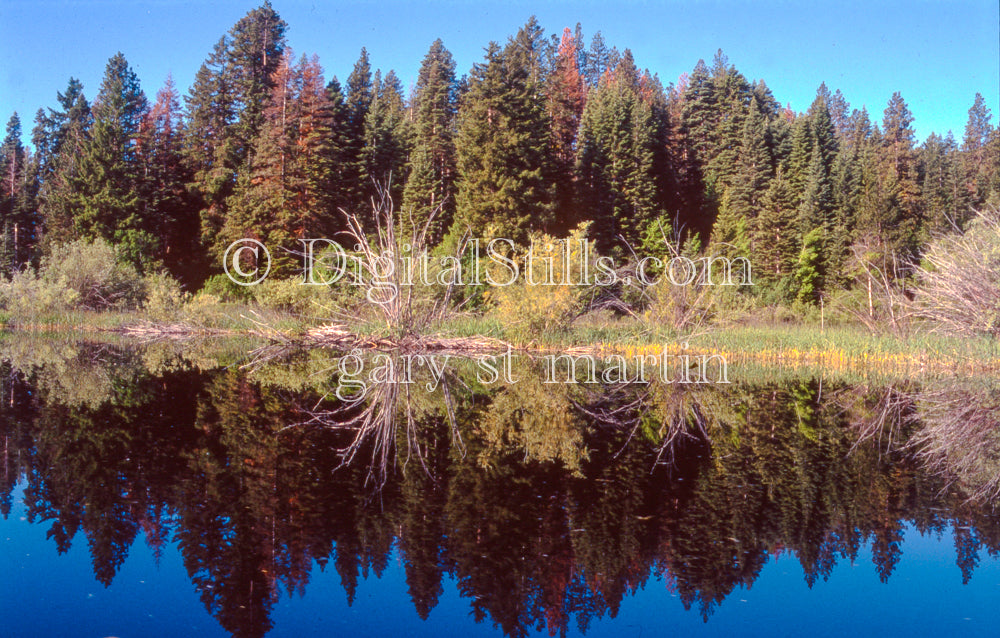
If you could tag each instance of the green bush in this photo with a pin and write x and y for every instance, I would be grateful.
(164, 296)
(222, 288)
(78, 275)
(538, 307)
(92, 271)
(288, 294)
(27, 295)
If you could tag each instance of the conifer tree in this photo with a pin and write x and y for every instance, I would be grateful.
(733, 94)
(430, 186)
(342, 153)
(809, 273)
(700, 112)
(599, 59)
(945, 200)
(753, 165)
(800, 155)
(18, 190)
(209, 145)
(388, 136)
(284, 196)
(975, 161)
(817, 205)
(615, 159)
(900, 191)
(58, 138)
(566, 97)
(108, 188)
(503, 149)
(254, 51)
(358, 99)
(776, 237)
(172, 211)
(225, 109)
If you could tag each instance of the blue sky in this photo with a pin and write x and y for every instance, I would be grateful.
(937, 54)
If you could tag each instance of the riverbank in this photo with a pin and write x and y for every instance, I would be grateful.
(848, 347)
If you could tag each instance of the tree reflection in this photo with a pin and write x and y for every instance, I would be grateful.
(548, 504)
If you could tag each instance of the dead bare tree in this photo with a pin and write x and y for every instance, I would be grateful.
(959, 438)
(959, 287)
(387, 248)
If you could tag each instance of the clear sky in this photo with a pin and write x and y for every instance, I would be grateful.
(937, 54)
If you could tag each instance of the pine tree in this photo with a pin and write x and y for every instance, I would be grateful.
(753, 166)
(284, 196)
(503, 150)
(700, 112)
(358, 99)
(225, 109)
(801, 154)
(341, 187)
(209, 145)
(975, 160)
(599, 59)
(59, 137)
(18, 189)
(839, 114)
(900, 191)
(847, 181)
(615, 159)
(388, 136)
(817, 208)
(945, 200)
(566, 96)
(256, 43)
(716, 103)
(107, 198)
(776, 236)
(733, 94)
(318, 144)
(809, 273)
(529, 50)
(430, 185)
(172, 211)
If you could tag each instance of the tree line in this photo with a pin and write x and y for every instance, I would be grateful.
(543, 134)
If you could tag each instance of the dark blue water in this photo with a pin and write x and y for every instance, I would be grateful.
(46, 594)
(215, 501)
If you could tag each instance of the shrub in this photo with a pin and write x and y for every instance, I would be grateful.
(93, 273)
(164, 297)
(77, 275)
(288, 294)
(222, 288)
(545, 307)
(27, 296)
(958, 287)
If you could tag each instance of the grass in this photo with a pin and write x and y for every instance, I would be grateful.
(842, 347)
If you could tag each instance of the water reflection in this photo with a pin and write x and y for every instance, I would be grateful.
(547, 503)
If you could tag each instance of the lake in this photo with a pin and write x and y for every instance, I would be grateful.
(221, 490)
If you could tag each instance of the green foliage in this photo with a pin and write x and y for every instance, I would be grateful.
(809, 272)
(290, 295)
(540, 306)
(164, 297)
(79, 275)
(431, 182)
(616, 152)
(502, 148)
(222, 288)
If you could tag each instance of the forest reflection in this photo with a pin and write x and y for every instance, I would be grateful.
(547, 503)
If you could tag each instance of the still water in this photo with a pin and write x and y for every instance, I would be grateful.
(168, 491)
